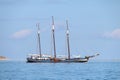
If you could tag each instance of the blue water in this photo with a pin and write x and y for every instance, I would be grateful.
(17, 70)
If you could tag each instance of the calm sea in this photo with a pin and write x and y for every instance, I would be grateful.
(18, 70)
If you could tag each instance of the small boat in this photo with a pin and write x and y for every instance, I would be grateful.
(41, 58)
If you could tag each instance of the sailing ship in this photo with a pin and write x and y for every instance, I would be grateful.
(42, 58)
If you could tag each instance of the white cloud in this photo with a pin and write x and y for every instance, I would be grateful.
(113, 34)
(21, 34)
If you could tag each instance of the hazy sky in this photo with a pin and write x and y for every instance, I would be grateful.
(94, 27)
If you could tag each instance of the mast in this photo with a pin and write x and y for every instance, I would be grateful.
(39, 44)
(53, 36)
(68, 45)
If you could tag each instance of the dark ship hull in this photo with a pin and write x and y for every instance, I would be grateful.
(80, 60)
(29, 60)
(57, 60)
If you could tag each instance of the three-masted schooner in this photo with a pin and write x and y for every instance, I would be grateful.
(41, 58)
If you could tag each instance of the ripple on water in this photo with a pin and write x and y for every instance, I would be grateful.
(60, 71)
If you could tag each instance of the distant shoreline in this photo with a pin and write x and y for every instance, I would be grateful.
(3, 58)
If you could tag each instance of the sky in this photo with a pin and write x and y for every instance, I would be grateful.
(94, 27)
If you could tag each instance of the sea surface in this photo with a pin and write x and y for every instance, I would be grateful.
(20, 70)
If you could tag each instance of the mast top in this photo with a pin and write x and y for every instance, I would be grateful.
(37, 25)
(53, 27)
(67, 27)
